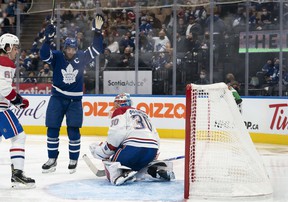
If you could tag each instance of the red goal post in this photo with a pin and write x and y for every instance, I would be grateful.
(220, 157)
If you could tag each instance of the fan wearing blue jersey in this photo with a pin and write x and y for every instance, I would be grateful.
(67, 91)
(131, 146)
(10, 128)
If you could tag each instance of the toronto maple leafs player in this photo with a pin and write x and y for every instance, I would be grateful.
(67, 91)
(131, 146)
(10, 128)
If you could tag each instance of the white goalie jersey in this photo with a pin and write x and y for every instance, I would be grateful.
(130, 126)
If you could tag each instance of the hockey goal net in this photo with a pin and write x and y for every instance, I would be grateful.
(220, 157)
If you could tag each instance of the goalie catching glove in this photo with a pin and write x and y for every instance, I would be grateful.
(101, 151)
(17, 100)
(97, 23)
(50, 33)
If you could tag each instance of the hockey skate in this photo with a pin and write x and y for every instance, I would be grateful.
(20, 181)
(165, 175)
(50, 165)
(158, 170)
(128, 175)
(72, 166)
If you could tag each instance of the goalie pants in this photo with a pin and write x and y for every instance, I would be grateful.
(135, 158)
(58, 107)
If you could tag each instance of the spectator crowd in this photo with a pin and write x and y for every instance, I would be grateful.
(156, 40)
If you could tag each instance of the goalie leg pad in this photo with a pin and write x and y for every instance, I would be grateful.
(128, 175)
(118, 174)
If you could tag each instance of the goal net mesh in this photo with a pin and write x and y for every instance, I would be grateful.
(220, 157)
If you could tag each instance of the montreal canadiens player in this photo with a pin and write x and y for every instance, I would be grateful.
(67, 91)
(10, 128)
(131, 147)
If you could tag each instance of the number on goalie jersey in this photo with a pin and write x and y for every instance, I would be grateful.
(132, 142)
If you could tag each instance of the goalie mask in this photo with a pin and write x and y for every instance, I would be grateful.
(122, 100)
(8, 40)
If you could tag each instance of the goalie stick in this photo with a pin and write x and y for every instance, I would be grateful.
(92, 167)
(174, 158)
(101, 173)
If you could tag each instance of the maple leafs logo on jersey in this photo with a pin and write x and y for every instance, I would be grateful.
(69, 76)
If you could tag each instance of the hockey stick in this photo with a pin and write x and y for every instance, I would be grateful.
(174, 158)
(53, 12)
(92, 167)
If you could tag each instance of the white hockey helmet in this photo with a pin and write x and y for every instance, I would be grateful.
(122, 100)
(9, 39)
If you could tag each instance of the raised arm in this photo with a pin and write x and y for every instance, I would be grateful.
(45, 51)
(96, 47)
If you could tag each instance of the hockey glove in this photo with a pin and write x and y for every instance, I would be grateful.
(101, 151)
(50, 33)
(97, 23)
(20, 102)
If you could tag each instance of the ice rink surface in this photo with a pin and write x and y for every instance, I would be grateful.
(85, 186)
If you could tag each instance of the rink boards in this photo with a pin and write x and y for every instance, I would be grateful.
(266, 118)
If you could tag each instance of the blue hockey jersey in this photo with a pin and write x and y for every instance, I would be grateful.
(68, 75)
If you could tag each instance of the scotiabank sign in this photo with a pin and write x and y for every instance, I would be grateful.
(269, 116)
(115, 82)
(34, 88)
